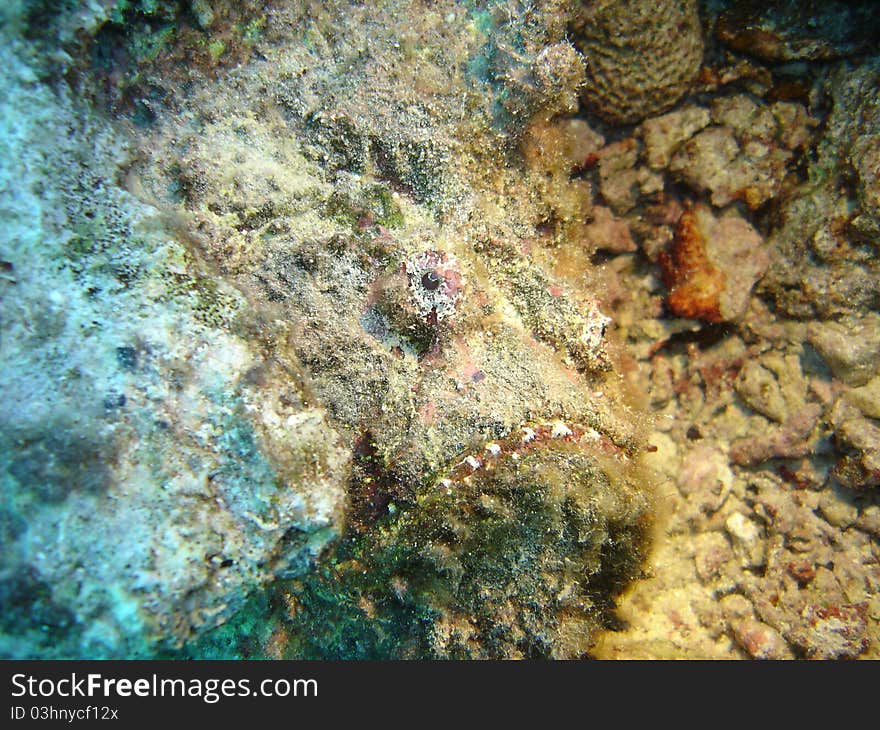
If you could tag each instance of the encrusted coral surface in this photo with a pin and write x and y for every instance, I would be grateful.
(712, 265)
(359, 335)
(827, 230)
(157, 463)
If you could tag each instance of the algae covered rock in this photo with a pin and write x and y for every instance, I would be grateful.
(301, 335)
(745, 155)
(826, 231)
(790, 30)
(157, 460)
(516, 552)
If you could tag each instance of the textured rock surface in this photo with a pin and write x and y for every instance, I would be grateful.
(342, 300)
(788, 30)
(745, 154)
(826, 234)
(641, 56)
(525, 65)
(766, 431)
(371, 260)
(157, 461)
(851, 348)
(663, 135)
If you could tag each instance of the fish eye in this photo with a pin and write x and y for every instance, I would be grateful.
(430, 280)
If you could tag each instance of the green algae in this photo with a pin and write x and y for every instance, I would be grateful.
(514, 562)
(374, 206)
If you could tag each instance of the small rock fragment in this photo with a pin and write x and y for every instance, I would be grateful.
(837, 508)
(786, 442)
(851, 349)
(736, 607)
(607, 233)
(869, 520)
(759, 388)
(760, 640)
(664, 134)
(713, 551)
(834, 632)
(618, 176)
(712, 265)
(747, 539)
(859, 441)
(866, 398)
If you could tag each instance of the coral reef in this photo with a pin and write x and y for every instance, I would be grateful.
(406, 330)
(766, 429)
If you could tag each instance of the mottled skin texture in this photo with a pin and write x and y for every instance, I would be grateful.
(357, 193)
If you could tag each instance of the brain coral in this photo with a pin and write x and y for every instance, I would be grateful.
(641, 56)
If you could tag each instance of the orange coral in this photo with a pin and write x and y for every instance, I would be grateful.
(695, 284)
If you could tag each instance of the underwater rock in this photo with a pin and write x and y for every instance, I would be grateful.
(773, 386)
(164, 460)
(745, 154)
(833, 631)
(851, 347)
(604, 232)
(789, 441)
(857, 442)
(746, 537)
(866, 398)
(641, 56)
(547, 84)
(663, 135)
(621, 182)
(824, 238)
(760, 640)
(712, 265)
(793, 30)
(526, 67)
(559, 73)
